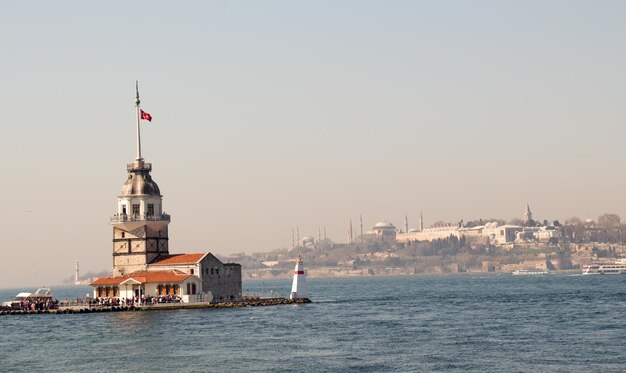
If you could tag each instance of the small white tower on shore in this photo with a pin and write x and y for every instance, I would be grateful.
(76, 275)
(298, 288)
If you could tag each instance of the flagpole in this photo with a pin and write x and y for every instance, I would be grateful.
(137, 115)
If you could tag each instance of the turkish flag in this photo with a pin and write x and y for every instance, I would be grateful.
(146, 116)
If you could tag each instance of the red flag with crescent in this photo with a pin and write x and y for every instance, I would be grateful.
(146, 116)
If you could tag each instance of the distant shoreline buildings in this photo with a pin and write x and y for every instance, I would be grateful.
(490, 232)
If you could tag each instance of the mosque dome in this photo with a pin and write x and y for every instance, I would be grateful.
(307, 240)
(384, 225)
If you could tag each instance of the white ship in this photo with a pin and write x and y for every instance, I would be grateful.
(619, 268)
(522, 272)
(42, 295)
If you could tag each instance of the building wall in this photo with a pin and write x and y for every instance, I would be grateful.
(385, 234)
(428, 234)
(223, 281)
(126, 203)
(497, 234)
(502, 234)
(544, 235)
(150, 289)
(192, 269)
(233, 273)
(133, 250)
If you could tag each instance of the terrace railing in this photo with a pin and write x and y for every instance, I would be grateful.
(121, 218)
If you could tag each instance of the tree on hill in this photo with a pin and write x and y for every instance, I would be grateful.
(608, 221)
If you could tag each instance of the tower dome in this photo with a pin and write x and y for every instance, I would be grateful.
(139, 181)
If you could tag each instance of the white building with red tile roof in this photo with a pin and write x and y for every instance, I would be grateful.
(141, 284)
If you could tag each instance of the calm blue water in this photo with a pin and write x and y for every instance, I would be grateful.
(555, 323)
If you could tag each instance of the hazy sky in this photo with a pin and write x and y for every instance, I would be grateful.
(275, 114)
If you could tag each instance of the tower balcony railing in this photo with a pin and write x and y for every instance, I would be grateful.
(121, 218)
(139, 166)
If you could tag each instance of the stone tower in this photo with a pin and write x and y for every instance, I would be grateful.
(140, 232)
(528, 215)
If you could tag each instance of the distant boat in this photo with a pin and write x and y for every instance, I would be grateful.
(41, 295)
(523, 272)
(619, 268)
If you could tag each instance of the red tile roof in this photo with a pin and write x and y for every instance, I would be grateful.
(178, 259)
(145, 277)
(107, 281)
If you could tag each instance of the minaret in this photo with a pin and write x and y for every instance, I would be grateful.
(298, 287)
(350, 235)
(361, 226)
(406, 224)
(421, 223)
(76, 275)
(298, 235)
(140, 227)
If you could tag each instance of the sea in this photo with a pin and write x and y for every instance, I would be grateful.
(457, 323)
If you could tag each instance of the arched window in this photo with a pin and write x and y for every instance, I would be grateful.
(193, 288)
(167, 289)
(175, 289)
(188, 288)
(191, 271)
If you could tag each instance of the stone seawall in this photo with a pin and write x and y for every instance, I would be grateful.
(169, 306)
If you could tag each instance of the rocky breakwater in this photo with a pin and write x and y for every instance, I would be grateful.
(228, 304)
(263, 302)
(69, 310)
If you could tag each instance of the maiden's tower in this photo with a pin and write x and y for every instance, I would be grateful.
(142, 264)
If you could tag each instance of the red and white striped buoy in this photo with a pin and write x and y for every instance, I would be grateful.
(298, 288)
